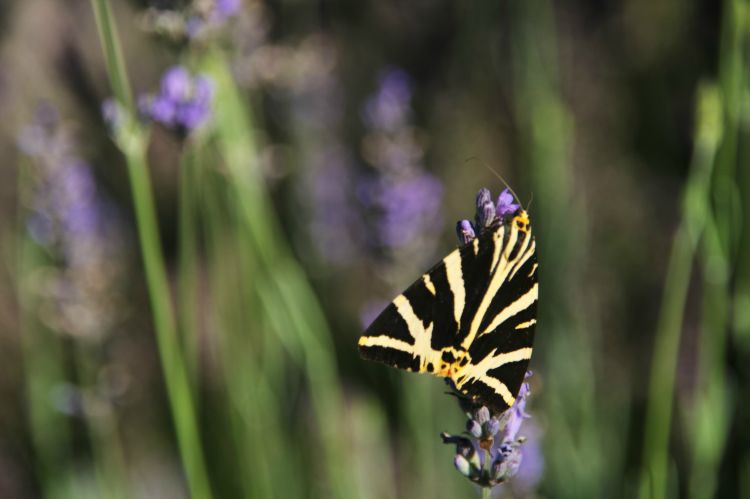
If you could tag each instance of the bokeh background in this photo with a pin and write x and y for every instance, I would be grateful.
(183, 283)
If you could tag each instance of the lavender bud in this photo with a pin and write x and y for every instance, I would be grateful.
(493, 426)
(485, 209)
(465, 232)
(462, 465)
(483, 415)
(474, 428)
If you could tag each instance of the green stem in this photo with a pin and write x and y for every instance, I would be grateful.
(175, 371)
(43, 363)
(302, 324)
(664, 362)
(486, 493)
(659, 412)
(170, 352)
(113, 58)
(188, 264)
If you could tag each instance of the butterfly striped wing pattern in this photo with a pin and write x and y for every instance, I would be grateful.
(470, 318)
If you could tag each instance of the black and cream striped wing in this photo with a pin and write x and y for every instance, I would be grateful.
(471, 318)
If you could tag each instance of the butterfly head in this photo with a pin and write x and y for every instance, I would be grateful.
(521, 221)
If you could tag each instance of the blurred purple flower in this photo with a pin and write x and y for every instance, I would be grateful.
(389, 107)
(176, 84)
(405, 208)
(69, 216)
(184, 101)
(226, 8)
(403, 200)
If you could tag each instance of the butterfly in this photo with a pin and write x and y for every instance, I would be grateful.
(470, 318)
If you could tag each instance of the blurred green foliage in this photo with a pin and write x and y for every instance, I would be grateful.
(247, 254)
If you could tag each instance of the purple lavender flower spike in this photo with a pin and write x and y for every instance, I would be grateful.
(176, 84)
(493, 452)
(69, 216)
(516, 414)
(184, 101)
(403, 198)
(485, 209)
(226, 8)
(163, 110)
(192, 114)
(532, 467)
(505, 204)
(389, 108)
(506, 463)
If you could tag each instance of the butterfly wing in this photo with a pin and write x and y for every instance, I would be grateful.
(411, 332)
(498, 330)
(471, 318)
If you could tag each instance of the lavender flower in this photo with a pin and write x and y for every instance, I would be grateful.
(403, 199)
(505, 205)
(488, 215)
(405, 208)
(530, 471)
(224, 9)
(465, 232)
(485, 209)
(184, 101)
(70, 218)
(491, 452)
(326, 186)
(389, 108)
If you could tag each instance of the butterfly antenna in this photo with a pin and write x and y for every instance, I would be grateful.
(507, 186)
(500, 177)
(530, 201)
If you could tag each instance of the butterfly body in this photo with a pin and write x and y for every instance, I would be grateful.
(471, 318)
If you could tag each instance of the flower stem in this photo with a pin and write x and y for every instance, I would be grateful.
(293, 309)
(486, 492)
(654, 475)
(170, 352)
(188, 265)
